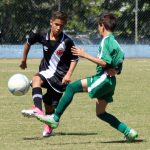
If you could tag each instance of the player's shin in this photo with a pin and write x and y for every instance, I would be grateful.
(71, 89)
(37, 97)
(114, 122)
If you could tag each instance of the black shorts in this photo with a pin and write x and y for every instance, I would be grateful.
(51, 97)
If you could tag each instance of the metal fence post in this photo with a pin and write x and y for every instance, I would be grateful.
(59, 5)
(136, 21)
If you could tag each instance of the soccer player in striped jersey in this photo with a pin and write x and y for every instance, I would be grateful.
(100, 86)
(56, 67)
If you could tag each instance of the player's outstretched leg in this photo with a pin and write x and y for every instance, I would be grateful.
(53, 120)
(130, 134)
(37, 108)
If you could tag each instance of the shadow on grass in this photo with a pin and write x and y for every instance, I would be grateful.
(92, 142)
(72, 133)
(33, 138)
(60, 134)
(82, 134)
(86, 142)
(123, 141)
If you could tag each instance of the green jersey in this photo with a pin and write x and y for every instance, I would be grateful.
(101, 85)
(110, 52)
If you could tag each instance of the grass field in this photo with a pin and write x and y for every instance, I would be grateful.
(79, 127)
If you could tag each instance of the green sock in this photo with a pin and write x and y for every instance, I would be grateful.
(123, 128)
(71, 89)
(114, 122)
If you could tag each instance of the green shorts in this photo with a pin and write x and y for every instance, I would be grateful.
(101, 87)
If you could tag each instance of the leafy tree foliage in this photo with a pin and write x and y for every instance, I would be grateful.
(18, 18)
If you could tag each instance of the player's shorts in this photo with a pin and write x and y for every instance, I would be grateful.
(51, 97)
(101, 87)
(54, 81)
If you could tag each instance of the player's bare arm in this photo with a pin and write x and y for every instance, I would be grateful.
(23, 64)
(67, 77)
(81, 52)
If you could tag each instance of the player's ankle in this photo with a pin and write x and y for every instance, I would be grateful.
(56, 118)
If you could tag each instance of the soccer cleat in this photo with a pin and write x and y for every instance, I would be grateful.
(130, 137)
(32, 112)
(48, 119)
(48, 131)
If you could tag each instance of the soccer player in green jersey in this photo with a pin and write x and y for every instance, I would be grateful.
(102, 85)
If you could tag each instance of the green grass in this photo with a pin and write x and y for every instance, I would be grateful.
(79, 127)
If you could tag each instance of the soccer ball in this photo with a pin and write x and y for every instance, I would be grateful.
(18, 84)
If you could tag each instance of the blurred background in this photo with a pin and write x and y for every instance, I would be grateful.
(19, 18)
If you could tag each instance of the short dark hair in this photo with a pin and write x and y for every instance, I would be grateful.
(108, 20)
(60, 15)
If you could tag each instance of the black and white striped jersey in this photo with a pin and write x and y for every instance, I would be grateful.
(56, 59)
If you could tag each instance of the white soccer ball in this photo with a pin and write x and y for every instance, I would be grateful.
(18, 84)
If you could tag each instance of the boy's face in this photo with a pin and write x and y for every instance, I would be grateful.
(57, 26)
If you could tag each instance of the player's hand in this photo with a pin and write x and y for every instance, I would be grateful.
(23, 65)
(111, 72)
(66, 79)
(78, 51)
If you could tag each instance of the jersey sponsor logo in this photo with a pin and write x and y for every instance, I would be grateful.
(59, 52)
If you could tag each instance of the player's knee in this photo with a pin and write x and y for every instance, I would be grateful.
(70, 88)
(101, 115)
(36, 79)
(75, 87)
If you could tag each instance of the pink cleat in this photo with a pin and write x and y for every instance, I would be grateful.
(48, 131)
(32, 112)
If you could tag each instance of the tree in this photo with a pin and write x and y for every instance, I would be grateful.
(18, 18)
(125, 10)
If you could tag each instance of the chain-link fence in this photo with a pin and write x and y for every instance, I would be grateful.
(19, 18)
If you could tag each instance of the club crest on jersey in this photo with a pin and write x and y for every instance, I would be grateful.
(59, 52)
